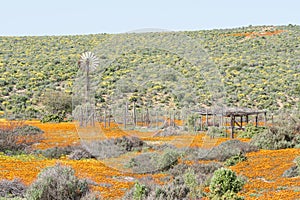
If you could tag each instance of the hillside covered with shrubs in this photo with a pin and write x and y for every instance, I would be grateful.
(259, 67)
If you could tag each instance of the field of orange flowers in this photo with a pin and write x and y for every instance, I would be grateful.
(263, 169)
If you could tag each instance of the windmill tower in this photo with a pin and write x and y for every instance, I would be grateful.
(87, 64)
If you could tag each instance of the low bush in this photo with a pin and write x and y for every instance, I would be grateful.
(168, 158)
(28, 130)
(114, 147)
(12, 188)
(140, 191)
(129, 143)
(176, 190)
(228, 149)
(187, 183)
(291, 172)
(235, 159)
(199, 169)
(216, 132)
(297, 161)
(285, 133)
(250, 131)
(143, 163)
(151, 162)
(56, 118)
(79, 154)
(228, 196)
(224, 184)
(16, 137)
(57, 182)
(191, 182)
(222, 152)
(55, 152)
(162, 147)
(73, 152)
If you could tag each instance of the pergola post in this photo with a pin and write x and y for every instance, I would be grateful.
(256, 120)
(109, 117)
(214, 121)
(206, 118)
(201, 124)
(232, 119)
(221, 121)
(105, 118)
(241, 122)
(125, 115)
(134, 114)
(156, 119)
(272, 119)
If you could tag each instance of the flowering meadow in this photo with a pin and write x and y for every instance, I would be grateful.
(263, 169)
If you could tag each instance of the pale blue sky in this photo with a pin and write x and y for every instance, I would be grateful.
(61, 17)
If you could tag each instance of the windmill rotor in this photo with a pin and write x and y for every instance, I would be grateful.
(88, 61)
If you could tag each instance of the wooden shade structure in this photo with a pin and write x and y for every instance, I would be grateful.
(237, 116)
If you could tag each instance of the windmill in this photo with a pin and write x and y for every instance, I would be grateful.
(87, 64)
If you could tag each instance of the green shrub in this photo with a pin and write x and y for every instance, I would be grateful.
(228, 196)
(167, 159)
(190, 181)
(216, 132)
(57, 117)
(235, 159)
(140, 191)
(28, 130)
(191, 122)
(250, 131)
(55, 152)
(224, 182)
(284, 133)
(57, 182)
(228, 149)
(57, 106)
(144, 163)
(276, 138)
(153, 161)
(174, 190)
(221, 152)
(73, 152)
(177, 189)
(203, 172)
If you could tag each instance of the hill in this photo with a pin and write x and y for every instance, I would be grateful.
(258, 67)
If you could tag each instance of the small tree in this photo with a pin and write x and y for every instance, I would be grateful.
(57, 105)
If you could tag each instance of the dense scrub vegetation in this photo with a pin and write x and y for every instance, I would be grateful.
(15, 137)
(259, 65)
(284, 133)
